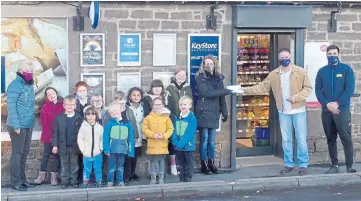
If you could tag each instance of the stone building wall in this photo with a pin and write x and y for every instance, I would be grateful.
(157, 17)
(348, 39)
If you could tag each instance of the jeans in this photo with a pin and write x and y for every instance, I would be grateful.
(116, 163)
(341, 124)
(46, 155)
(20, 144)
(69, 166)
(185, 165)
(156, 163)
(299, 122)
(89, 163)
(206, 147)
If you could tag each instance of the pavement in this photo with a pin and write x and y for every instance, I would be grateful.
(246, 178)
(330, 193)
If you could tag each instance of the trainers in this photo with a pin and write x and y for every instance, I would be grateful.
(333, 170)
(287, 170)
(135, 177)
(120, 184)
(173, 170)
(351, 170)
(64, 186)
(110, 184)
(84, 185)
(302, 171)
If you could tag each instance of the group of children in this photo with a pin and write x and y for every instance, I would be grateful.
(87, 136)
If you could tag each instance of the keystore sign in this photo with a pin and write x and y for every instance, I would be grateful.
(199, 46)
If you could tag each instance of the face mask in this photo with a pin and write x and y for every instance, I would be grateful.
(27, 76)
(332, 60)
(210, 68)
(82, 95)
(285, 62)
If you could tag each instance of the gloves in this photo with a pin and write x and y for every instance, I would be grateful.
(225, 118)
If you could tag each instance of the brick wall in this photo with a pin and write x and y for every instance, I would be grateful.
(348, 39)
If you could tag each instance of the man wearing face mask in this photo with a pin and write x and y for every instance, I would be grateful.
(20, 122)
(335, 85)
(290, 86)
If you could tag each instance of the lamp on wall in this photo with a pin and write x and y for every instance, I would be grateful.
(211, 19)
(332, 23)
(78, 20)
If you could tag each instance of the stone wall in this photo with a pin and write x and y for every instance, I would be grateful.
(144, 18)
(348, 39)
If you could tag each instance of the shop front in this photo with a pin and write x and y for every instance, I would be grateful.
(259, 32)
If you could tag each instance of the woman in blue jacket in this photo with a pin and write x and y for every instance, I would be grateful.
(20, 122)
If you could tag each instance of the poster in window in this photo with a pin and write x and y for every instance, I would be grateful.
(44, 43)
(92, 49)
(129, 49)
(164, 49)
(96, 83)
(125, 81)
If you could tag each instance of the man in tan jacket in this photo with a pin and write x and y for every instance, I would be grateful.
(290, 86)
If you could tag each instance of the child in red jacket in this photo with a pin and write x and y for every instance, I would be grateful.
(53, 107)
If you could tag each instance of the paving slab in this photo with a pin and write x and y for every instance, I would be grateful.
(328, 180)
(69, 195)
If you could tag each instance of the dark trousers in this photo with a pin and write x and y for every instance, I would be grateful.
(20, 144)
(46, 155)
(129, 167)
(81, 165)
(341, 124)
(185, 163)
(69, 166)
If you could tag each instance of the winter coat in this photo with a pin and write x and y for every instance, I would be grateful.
(60, 132)
(20, 103)
(211, 101)
(176, 94)
(48, 113)
(184, 135)
(79, 107)
(161, 124)
(138, 113)
(119, 137)
(168, 101)
(90, 139)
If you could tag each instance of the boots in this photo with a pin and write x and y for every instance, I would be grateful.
(153, 179)
(204, 168)
(212, 167)
(41, 178)
(161, 178)
(54, 178)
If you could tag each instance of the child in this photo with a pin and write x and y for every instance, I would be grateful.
(120, 98)
(158, 128)
(135, 95)
(90, 141)
(157, 90)
(179, 87)
(118, 143)
(183, 139)
(65, 133)
(98, 103)
(50, 110)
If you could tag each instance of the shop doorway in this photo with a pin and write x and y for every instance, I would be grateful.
(256, 124)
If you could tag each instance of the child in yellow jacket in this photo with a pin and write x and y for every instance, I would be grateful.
(158, 127)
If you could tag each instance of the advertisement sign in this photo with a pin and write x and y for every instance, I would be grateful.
(126, 81)
(92, 49)
(44, 43)
(315, 58)
(129, 50)
(96, 83)
(199, 46)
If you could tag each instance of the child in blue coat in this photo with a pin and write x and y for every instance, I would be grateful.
(118, 143)
(183, 139)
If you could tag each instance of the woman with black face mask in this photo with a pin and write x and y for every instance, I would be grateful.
(211, 103)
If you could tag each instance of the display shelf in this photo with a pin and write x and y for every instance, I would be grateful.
(253, 62)
(265, 94)
(248, 83)
(253, 105)
(247, 130)
(252, 118)
(253, 72)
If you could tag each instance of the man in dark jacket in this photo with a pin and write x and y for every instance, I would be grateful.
(20, 122)
(335, 85)
(65, 134)
(211, 103)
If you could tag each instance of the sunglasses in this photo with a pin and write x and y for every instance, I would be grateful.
(90, 113)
